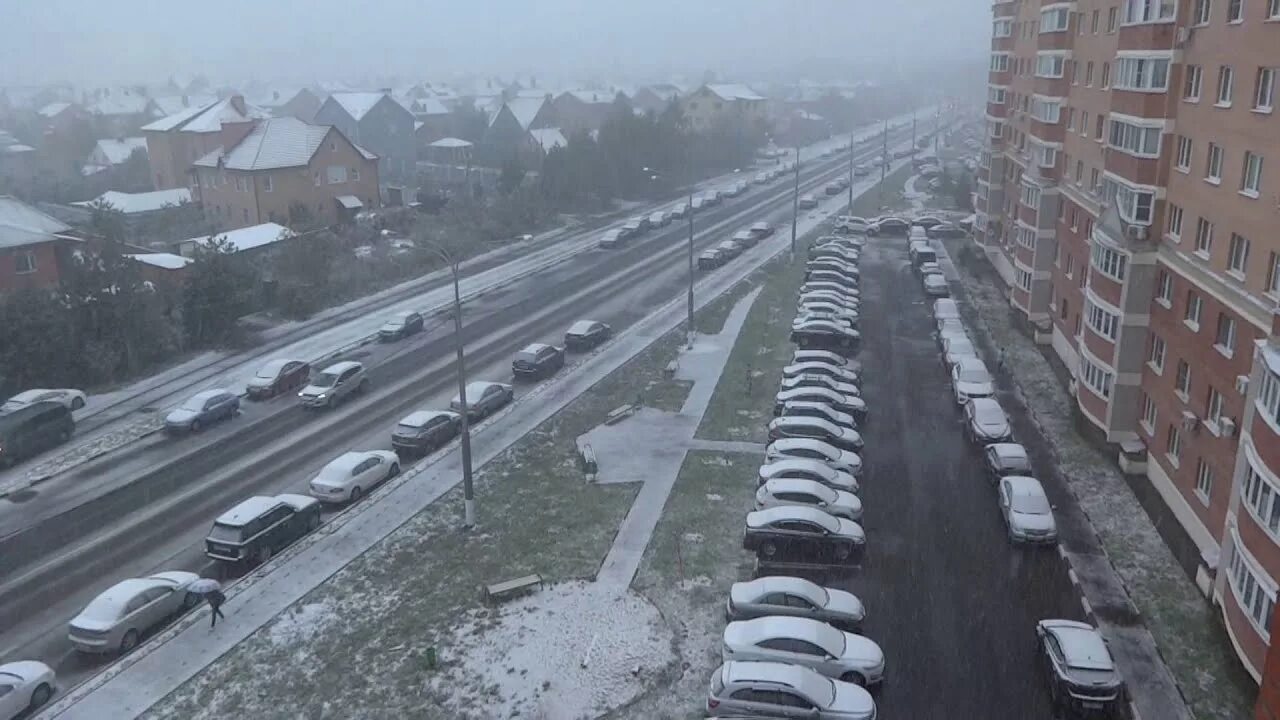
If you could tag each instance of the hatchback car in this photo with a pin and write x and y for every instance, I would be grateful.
(851, 404)
(400, 326)
(807, 532)
(837, 458)
(807, 469)
(761, 230)
(334, 384)
(483, 399)
(201, 410)
(67, 397)
(118, 617)
(784, 690)
(729, 249)
(808, 202)
(586, 334)
(843, 437)
(1082, 675)
(1005, 459)
(808, 493)
(820, 380)
(795, 597)
(808, 643)
(935, 285)
(969, 378)
(277, 376)
(816, 367)
(25, 686)
(985, 421)
(744, 239)
(538, 360)
(422, 431)
(635, 226)
(1026, 510)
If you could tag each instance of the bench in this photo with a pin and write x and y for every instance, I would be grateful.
(508, 589)
(590, 467)
(619, 414)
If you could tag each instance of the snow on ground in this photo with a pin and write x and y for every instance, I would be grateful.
(574, 650)
(96, 445)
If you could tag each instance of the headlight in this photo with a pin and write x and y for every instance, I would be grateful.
(321, 396)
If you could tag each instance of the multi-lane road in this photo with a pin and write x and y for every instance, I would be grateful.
(148, 506)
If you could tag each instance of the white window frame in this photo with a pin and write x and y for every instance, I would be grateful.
(1148, 414)
(1204, 480)
(1193, 83)
(1226, 86)
(1253, 590)
(1046, 110)
(1273, 10)
(1260, 493)
(1156, 354)
(24, 262)
(1264, 88)
(1140, 72)
(1148, 12)
(1182, 380)
(1135, 204)
(1224, 336)
(1204, 237)
(268, 185)
(1164, 288)
(1030, 196)
(1097, 379)
(1238, 255)
(1100, 320)
(1202, 13)
(1023, 278)
(1273, 276)
(1109, 261)
(1213, 164)
(1194, 311)
(1055, 18)
(1132, 138)
(1251, 175)
(1026, 237)
(997, 94)
(1051, 64)
(1268, 401)
(1002, 27)
(1046, 156)
(1183, 160)
(1174, 222)
(1235, 12)
(335, 174)
(999, 62)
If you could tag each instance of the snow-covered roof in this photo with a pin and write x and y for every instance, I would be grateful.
(246, 238)
(524, 109)
(164, 261)
(207, 117)
(247, 510)
(52, 109)
(276, 143)
(171, 122)
(358, 104)
(120, 105)
(549, 138)
(21, 224)
(591, 97)
(16, 148)
(118, 151)
(450, 142)
(428, 106)
(734, 91)
(130, 203)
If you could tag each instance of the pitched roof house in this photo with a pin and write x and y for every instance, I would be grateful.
(509, 129)
(377, 121)
(34, 247)
(175, 141)
(713, 103)
(582, 109)
(109, 153)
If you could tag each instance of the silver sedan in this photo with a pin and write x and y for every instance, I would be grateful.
(118, 618)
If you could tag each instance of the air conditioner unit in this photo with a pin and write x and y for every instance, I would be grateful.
(1136, 232)
(1242, 384)
(1189, 421)
(1227, 425)
(1184, 34)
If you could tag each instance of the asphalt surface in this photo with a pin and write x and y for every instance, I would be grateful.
(155, 517)
(951, 601)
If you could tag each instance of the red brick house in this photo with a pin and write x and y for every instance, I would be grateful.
(34, 248)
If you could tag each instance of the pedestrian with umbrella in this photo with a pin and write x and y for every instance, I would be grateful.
(211, 591)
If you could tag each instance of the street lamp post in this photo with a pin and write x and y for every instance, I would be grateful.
(795, 204)
(850, 211)
(689, 216)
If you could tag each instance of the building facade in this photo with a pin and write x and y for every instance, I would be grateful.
(375, 120)
(176, 141)
(1124, 200)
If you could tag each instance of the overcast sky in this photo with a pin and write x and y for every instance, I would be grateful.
(91, 42)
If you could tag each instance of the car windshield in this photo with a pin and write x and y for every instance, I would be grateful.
(973, 374)
(194, 404)
(225, 533)
(270, 370)
(325, 379)
(1030, 503)
(526, 356)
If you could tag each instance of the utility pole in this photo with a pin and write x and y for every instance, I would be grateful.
(689, 334)
(884, 161)
(850, 211)
(795, 204)
(913, 137)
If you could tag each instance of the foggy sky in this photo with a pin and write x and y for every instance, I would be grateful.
(97, 42)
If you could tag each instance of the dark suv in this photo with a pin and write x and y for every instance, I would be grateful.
(33, 428)
(1082, 676)
(253, 531)
(537, 361)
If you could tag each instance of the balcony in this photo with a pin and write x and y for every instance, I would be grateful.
(1148, 36)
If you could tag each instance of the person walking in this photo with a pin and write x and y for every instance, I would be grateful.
(215, 598)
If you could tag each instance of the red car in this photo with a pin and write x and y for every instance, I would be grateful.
(278, 376)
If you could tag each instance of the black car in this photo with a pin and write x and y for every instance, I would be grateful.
(729, 249)
(803, 532)
(425, 430)
(711, 259)
(278, 376)
(889, 226)
(255, 530)
(400, 326)
(586, 334)
(537, 361)
(822, 335)
(33, 428)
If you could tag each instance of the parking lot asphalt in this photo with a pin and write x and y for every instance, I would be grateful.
(951, 602)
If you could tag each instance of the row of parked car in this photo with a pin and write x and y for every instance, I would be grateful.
(792, 647)
(741, 241)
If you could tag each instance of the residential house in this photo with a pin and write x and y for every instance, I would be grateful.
(377, 122)
(61, 118)
(34, 247)
(176, 141)
(162, 268)
(108, 154)
(302, 104)
(433, 119)
(655, 98)
(548, 139)
(254, 239)
(158, 208)
(713, 104)
(119, 113)
(508, 132)
(263, 171)
(18, 162)
(577, 110)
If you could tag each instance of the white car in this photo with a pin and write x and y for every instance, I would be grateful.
(844, 437)
(1026, 510)
(782, 690)
(842, 290)
(815, 367)
(804, 317)
(808, 643)
(821, 307)
(841, 301)
(118, 617)
(951, 329)
(352, 474)
(823, 381)
(25, 686)
(795, 491)
(824, 356)
(935, 285)
(844, 460)
(659, 219)
(71, 399)
(985, 421)
(851, 404)
(945, 309)
(802, 408)
(807, 469)
(796, 597)
(969, 378)
(954, 348)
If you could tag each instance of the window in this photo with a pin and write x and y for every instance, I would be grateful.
(1174, 441)
(1184, 154)
(1148, 414)
(1024, 279)
(1055, 20)
(1100, 129)
(1273, 10)
(1031, 196)
(316, 176)
(1073, 71)
(336, 174)
(1182, 381)
(1135, 139)
(1050, 66)
(1235, 11)
(1106, 75)
(996, 128)
(1175, 221)
(1164, 288)
(1088, 74)
(1262, 498)
(1204, 480)
(1096, 378)
(1074, 217)
(1113, 19)
(1202, 11)
(1071, 264)
(1071, 118)
(1213, 164)
(1109, 262)
(1273, 274)
(1257, 602)
(1046, 156)
(1046, 111)
(1192, 82)
(1145, 11)
(1026, 237)
(1194, 305)
(1226, 85)
(1084, 122)
(1143, 74)
(1237, 254)
(245, 214)
(1079, 171)
(999, 62)
(355, 174)
(1225, 337)
(267, 185)
(1251, 177)
(24, 262)
(996, 95)
(1264, 88)
(1093, 25)
(1093, 177)
(1002, 28)
(1155, 358)
(1134, 205)
(1269, 396)
(1104, 323)
(1204, 237)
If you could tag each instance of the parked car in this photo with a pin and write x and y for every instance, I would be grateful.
(483, 399)
(817, 308)
(118, 617)
(422, 431)
(586, 334)
(808, 469)
(969, 378)
(635, 226)
(824, 356)
(946, 230)
(845, 268)
(612, 239)
(845, 437)
(945, 309)
(935, 285)
(822, 381)
(985, 421)
(1082, 675)
(761, 178)
(277, 376)
(761, 230)
(848, 242)
(808, 493)
(845, 460)
(951, 329)
(1026, 510)
(256, 529)
(804, 317)
(744, 238)
(1003, 459)
(67, 397)
(842, 302)
(729, 249)
(808, 202)
(201, 410)
(699, 202)
(889, 226)
(824, 335)
(804, 531)
(851, 404)
(832, 251)
(840, 373)
(921, 252)
(927, 221)
(659, 219)
(537, 360)
(33, 428)
(25, 686)
(782, 690)
(400, 326)
(782, 595)
(802, 408)
(680, 210)
(349, 476)
(861, 170)
(808, 643)
(842, 278)
(954, 348)
(334, 384)
(833, 188)
(844, 290)
(711, 259)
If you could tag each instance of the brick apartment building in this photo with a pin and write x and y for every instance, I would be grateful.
(1124, 200)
